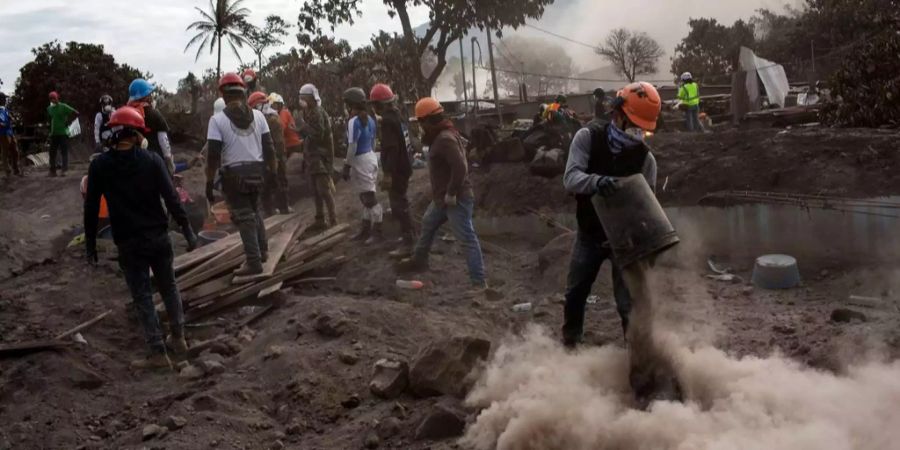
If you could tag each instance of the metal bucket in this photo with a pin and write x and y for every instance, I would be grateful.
(634, 222)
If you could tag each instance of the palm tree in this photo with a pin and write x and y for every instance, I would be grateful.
(220, 22)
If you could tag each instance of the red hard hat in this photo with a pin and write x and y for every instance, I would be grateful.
(381, 93)
(256, 98)
(248, 75)
(129, 117)
(230, 79)
(54, 96)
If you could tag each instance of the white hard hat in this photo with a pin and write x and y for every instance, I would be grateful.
(686, 76)
(310, 89)
(219, 105)
(275, 98)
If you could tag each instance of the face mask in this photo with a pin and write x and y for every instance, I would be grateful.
(303, 104)
(145, 144)
(107, 108)
(153, 104)
(635, 133)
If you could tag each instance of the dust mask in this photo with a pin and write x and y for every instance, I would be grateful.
(145, 144)
(108, 108)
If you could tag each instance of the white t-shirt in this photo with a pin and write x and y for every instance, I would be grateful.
(238, 146)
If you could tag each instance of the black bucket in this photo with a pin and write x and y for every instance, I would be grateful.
(634, 222)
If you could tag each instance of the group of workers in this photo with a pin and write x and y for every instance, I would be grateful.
(248, 139)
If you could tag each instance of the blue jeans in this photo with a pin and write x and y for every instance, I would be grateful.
(460, 218)
(692, 116)
(136, 258)
(588, 255)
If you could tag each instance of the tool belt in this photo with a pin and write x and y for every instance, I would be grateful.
(244, 178)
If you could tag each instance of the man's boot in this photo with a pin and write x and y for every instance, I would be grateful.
(249, 268)
(332, 218)
(377, 236)
(319, 223)
(155, 361)
(364, 232)
(177, 344)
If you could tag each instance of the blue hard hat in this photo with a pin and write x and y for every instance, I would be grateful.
(139, 89)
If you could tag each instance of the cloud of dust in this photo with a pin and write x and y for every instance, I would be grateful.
(535, 395)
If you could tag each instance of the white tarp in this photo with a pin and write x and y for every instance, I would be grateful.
(74, 128)
(772, 75)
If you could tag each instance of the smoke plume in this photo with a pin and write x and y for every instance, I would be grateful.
(535, 395)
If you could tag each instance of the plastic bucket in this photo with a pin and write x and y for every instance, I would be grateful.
(209, 236)
(221, 213)
(634, 222)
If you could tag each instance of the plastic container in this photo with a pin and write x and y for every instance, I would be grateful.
(209, 236)
(221, 213)
(634, 222)
(776, 272)
(410, 284)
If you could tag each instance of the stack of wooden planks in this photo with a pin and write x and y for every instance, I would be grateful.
(205, 276)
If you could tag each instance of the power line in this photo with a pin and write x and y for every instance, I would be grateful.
(584, 44)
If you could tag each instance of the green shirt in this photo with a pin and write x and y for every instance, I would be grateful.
(59, 118)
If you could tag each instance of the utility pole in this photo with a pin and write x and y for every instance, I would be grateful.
(465, 89)
(474, 85)
(494, 77)
(812, 49)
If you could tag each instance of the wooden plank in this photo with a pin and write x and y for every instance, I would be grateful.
(317, 249)
(277, 246)
(255, 288)
(24, 348)
(327, 234)
(188, 260)
(273, 225)
(269, 291)
(83, 326)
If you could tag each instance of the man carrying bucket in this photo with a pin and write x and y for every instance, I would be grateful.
(599, 154)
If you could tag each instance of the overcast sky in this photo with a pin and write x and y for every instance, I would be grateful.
(151, 36)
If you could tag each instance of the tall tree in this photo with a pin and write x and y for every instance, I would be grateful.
(542, 66)
(711, 50)
(190, 85)
(632, 53)
(260, 39)
(81, 73)
(449, 20)
(222, 21)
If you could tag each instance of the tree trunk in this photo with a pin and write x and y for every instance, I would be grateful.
(219, 60)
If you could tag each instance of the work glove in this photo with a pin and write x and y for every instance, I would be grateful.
(346, 173)
(189, 236)
(209, 193)
(91, 254)
(607, 186)
(450, 200)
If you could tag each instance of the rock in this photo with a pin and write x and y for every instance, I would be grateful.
(212, 367)
(277, 445)
(246, 334)
(441, 423)
(228, 347)
(210, 356)
(388, 428)
(390, 379)
(844, 315)
(347, 357)
(273, 352)
(175, 423)
(191, 372)
(445, 367)
(747, 290)
(372, 441)
(332, 325)
(151, 431)
(784, 329)
(295, 428)
(352, 402)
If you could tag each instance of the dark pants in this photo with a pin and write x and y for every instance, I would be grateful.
(9, 155)
(276, 192)
(400, 204)
(323, 192)
(244, 203)
(136, 258)
(588, 255)
(60, 145)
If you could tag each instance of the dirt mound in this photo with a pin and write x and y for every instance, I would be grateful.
(510, 189)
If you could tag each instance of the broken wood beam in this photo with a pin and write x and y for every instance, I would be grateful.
(278, 245)
(84, 325)
(28, 347)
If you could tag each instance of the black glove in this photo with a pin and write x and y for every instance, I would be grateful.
(209, 193)
(90, 253)
(607, 186)
(346, 174)
(190, 237)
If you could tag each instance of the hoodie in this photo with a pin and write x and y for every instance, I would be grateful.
(133, 182)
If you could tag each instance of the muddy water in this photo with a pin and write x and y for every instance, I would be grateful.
(747, 231)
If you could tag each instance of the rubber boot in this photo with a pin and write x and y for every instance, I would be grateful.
(364, 232)
(155, 361)
(377, 236)
(252, 249)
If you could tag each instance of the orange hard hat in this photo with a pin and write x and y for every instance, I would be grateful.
(256, 98)
(127, 117)
(641, 103)
(428, 107)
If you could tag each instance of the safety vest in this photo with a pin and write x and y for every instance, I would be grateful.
(689, 94)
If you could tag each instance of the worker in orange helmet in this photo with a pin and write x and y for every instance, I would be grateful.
(452, 198)
(599, 154)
